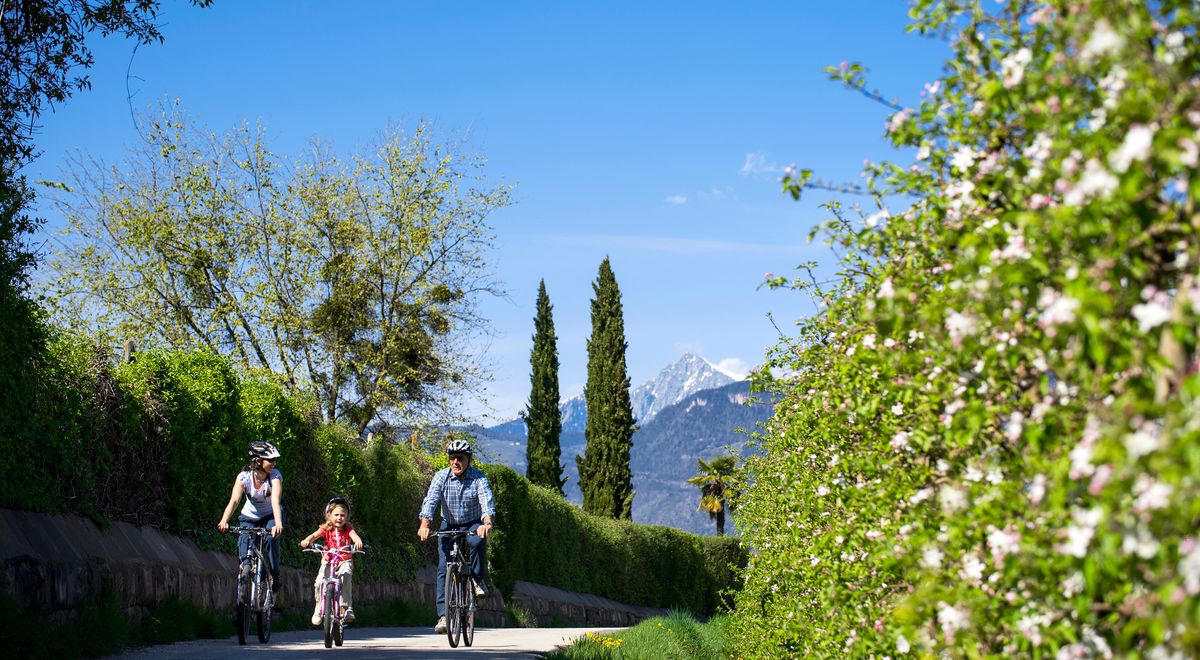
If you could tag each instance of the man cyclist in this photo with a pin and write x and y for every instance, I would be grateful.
(466, 503)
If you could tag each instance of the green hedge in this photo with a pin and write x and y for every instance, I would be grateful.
(542, 538)
(160, 440)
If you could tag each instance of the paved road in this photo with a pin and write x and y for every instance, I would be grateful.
(372, 643)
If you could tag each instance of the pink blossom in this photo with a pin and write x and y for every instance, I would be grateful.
(1099, 479)
(897, 120)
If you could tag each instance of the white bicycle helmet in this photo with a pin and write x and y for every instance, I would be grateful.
(459, 447)
(263, 450)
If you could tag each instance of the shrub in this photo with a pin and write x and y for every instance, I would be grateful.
(988, 440)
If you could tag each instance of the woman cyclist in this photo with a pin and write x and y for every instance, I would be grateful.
(262, 484)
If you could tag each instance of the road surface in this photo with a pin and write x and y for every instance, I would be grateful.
(375, 643)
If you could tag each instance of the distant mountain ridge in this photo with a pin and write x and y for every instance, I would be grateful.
(690, 410)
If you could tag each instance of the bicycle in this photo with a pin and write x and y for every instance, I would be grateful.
(333, 619)
(254, 595)
(460, 595)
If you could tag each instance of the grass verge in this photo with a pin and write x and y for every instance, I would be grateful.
(675, 636)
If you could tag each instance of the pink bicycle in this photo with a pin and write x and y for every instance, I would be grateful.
(333, 619)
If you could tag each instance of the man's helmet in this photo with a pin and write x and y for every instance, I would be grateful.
(264, 450)
(459, 447)
(337, 499)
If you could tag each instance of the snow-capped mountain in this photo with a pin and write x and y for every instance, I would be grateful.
(690, 374)
(673, 384)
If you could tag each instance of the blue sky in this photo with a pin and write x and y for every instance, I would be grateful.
(653, 133)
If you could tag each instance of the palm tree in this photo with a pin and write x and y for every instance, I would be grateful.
(717, 482)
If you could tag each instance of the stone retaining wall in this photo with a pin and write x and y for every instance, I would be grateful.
(56, 563)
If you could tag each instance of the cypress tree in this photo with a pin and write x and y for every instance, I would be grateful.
(543, 420)
(604, 474)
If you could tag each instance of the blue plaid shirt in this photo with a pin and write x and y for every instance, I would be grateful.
(464, 500)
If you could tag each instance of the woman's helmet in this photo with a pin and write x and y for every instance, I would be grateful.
(263, 450)
(459, 447)
(337, 499)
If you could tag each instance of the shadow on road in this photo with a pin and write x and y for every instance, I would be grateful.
(371, 643)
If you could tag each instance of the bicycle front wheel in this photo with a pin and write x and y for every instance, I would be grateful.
(263, 613)
(242, 616)
(468, 611)
(329, 620)
(453, 606)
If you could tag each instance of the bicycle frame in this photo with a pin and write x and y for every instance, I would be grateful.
(335, 621)
(254, 594)
(459, 594)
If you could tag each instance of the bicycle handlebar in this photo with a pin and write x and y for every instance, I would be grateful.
(349, 549)
(454, 532)
(238, 531)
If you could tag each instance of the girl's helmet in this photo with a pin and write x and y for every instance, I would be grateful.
(337, 500)
(263, 450)
(459, 447)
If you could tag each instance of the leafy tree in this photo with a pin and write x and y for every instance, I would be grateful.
(43, 47)
(543, 419)
(717, 481)
(604, 474)
(354, 281)
(987, 441)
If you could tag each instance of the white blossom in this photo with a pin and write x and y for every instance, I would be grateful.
(1079, 535)
(952, 619)
(972, 569)
(963, 158)
(952, 499)
(959, 325)
(1151, 313)
(1013, 67)
(1096, 182)
(1002, 543)
(1151, 494)
(886, 290)
(1057, 309)
(1141, 544)
(1189, 565)
(1135, 147)
(902, 645)
(931, 557)
(1144, 440)
(1037, 489)
(1103, 41)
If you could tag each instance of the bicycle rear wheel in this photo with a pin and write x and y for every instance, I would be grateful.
(330, 614)
(468, 610)
(263, 606)
(453, 606)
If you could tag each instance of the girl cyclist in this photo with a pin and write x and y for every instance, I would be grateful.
(336, 533)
